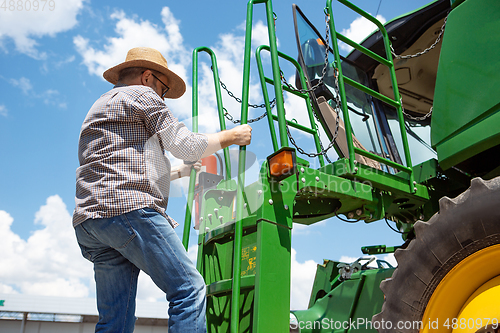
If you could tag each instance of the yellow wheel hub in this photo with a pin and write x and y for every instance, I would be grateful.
(468, 297)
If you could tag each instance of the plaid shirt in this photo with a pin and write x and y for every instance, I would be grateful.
(121, 154)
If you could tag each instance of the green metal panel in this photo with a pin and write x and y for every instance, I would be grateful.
(264, 296)
(475, 138)
(465, 118)
(348, 307)
(272, 285)
(325, 275)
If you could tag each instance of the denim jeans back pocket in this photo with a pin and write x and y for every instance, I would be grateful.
(117, 232)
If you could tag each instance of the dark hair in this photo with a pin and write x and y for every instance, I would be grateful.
(130, 73)
(133, 72)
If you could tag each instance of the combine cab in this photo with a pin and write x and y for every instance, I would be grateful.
(431, 70)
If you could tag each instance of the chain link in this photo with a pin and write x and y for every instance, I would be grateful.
(237, 121)
(418, 54)
(409, 116)
(320, 143)
(334, 137)
(237, 99)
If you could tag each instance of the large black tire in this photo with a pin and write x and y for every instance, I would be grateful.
(463, 226)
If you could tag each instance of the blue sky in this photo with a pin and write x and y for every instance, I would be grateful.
(51, 64)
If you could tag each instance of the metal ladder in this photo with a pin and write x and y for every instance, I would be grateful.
(240, 290)
(248, 288)
(396, 103)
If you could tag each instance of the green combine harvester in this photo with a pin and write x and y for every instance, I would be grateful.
(436, 68)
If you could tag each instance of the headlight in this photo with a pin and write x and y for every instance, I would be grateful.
(294, 324)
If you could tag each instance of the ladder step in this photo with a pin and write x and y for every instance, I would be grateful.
(225, 286)
(228, 229)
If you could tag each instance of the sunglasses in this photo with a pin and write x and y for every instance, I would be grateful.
(167, 87)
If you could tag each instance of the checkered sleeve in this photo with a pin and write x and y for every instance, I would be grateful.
(174, 136)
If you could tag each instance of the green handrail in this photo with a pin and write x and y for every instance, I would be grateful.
(220, 108)
(343, 79)
(238, 228)
(263, 80)
(238, 231)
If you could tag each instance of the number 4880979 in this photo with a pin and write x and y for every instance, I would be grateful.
(27, 5)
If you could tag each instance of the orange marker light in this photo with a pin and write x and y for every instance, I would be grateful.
(282, 163)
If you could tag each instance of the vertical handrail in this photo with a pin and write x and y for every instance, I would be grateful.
(387, 62)
(238, 228)
(343, 99)
(267, 102)
(187, 217)
(220, 109)
(278, 88)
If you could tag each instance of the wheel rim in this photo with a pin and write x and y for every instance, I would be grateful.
(467, 295)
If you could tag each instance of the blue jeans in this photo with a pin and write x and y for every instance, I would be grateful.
(123, 245)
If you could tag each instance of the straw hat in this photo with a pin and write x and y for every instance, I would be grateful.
(151, 59)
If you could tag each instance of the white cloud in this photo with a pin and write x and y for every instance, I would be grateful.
(49, 96)
(49, 262)
(23, 26)
(22, 83)
(347, 259)
(3, 110)
(302, 281)
(132, 34)
(358, 30)
(260, 35)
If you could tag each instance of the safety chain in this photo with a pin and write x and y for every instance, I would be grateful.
(325, 66)
(237, 99)
(332, 142)
(320, 143)
(418, 54)
(255, 106)
(412, 117)
(237, 121)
